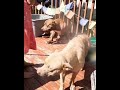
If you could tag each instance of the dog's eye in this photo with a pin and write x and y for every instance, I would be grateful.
(49, 25)
(48, 66)
(52, 71)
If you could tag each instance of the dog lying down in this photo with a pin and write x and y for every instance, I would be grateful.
(56, 28)
(71, 58)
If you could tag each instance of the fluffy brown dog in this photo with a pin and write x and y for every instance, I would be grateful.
(71, 58)
(56, 28)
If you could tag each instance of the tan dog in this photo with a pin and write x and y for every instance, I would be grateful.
(54, 27)
(72, 58)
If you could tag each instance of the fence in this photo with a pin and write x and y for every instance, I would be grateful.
(86, 9)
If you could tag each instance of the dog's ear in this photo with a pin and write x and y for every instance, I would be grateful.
(44, 22)
(67, 67)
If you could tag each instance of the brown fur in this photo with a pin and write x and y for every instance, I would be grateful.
(56, 28)
(71, 58)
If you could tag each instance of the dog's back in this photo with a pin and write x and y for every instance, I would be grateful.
(61, 26)
(76, 51)
(80, 42)
(60, 23)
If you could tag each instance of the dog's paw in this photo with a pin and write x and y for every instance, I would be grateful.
(55, 42)
(72, 87)
(49, 42)
(81, 69)
(43, 36)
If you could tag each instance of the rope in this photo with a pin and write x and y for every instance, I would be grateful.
(38, 54)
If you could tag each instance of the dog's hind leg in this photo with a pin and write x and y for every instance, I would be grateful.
(72, 87)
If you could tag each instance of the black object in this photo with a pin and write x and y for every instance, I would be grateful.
(39, 1)
(90, 56)
(46, 3)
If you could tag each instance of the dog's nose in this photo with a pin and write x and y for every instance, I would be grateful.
(42, 28)
(38, 70)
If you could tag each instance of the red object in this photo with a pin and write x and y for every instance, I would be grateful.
(29, 39)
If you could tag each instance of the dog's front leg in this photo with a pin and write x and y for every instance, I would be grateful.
(52, 34)
(57, 39)
(62, 78)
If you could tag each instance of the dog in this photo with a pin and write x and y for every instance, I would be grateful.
(71, 58)
(56, 28)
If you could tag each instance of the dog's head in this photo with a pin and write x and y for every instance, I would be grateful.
(53, 66)
(48, 25)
